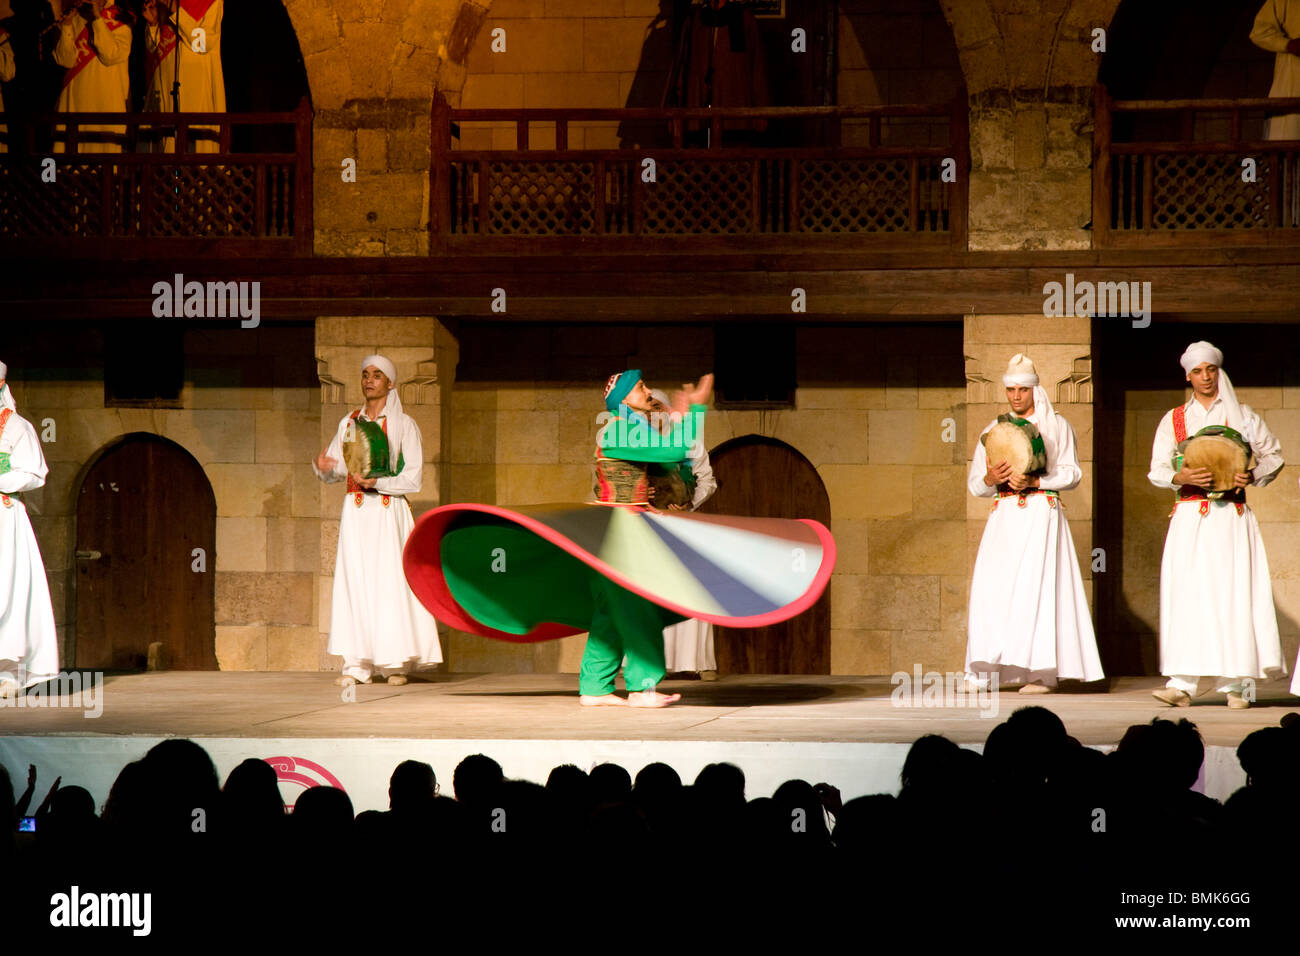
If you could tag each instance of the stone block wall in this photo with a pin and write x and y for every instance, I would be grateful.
(588, 53)
(248, 414)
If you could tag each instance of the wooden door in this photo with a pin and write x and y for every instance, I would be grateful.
(766, 478)
(144, 507)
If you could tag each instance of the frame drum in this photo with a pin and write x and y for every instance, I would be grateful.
(1018, 443)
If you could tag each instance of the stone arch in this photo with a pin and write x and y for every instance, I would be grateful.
(1001, 49)
(359, 51)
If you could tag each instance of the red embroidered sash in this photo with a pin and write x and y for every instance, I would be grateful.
(154, 59)
(1180, 424)
(85, 52)
(196, 8)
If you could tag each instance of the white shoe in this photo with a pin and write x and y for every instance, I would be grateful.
(347, 680)
(9, 687)
(396, 680)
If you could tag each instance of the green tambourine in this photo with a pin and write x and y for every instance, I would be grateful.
(365, 450)
(1223, 451)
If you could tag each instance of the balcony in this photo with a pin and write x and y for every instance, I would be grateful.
(233, 202)
(1175, 173)
(858, 184)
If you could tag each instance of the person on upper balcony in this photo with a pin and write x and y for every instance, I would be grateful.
(93, 47)
(721, 62)
(184, 64)
(1277, 29)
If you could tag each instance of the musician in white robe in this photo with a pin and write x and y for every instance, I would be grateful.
(195, 61)
(376, 622)
(688, 646)
(1277, 29)
(1218, 626)
(8, 71)
(1029, 621)
(94, 54)
(29, 645)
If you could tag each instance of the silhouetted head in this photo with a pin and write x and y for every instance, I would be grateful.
(183, 781)
(1027, 747)
(721, 784)
(933, 763)
(1271, 757)
(657, 781)
(476, 779)
(412, 785)
(610, 783)
(251, 795)
(867, 822)
(801, 812)
(323, 814)
(1162, 754)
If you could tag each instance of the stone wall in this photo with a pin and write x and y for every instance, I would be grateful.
(248, 414)
(574, 53)
(896, 51)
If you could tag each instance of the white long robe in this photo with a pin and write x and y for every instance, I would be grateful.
(202, 82)
(1276, 24)
(1216, 600)
(7, 73)
(688, 646)
(29, 644)
(376, 621)
(97, 80)
(1029, 618)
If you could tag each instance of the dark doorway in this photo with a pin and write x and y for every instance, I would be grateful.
(767, 478)
(144, 506)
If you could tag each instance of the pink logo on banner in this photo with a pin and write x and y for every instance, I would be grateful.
(302, 772)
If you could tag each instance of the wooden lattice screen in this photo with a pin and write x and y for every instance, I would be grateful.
(235, 203)
(1195, 191)
(890, 191)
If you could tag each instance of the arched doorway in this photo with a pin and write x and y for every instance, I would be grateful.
(143, 508)
(767, 478)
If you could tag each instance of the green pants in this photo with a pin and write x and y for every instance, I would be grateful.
(622, 623)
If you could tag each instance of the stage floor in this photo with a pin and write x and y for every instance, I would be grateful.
(844, 730)
(545, 707)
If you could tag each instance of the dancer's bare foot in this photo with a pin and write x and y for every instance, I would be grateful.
(651, 698)
(604, 700)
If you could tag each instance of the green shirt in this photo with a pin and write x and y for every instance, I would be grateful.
(629, 436)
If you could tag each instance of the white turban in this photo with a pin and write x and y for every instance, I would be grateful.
(1020, 372)
(1196, 354)
(1199, 352)
(392, 407)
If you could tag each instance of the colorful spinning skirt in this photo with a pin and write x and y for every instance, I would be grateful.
(523, 574)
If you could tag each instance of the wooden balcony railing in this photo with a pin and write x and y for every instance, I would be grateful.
(231, 202)
(1192, 184)
(701, 190)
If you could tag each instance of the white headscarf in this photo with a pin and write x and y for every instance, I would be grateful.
(392, 407)
(6, 394)
(1196, 354)
(1021, 373)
